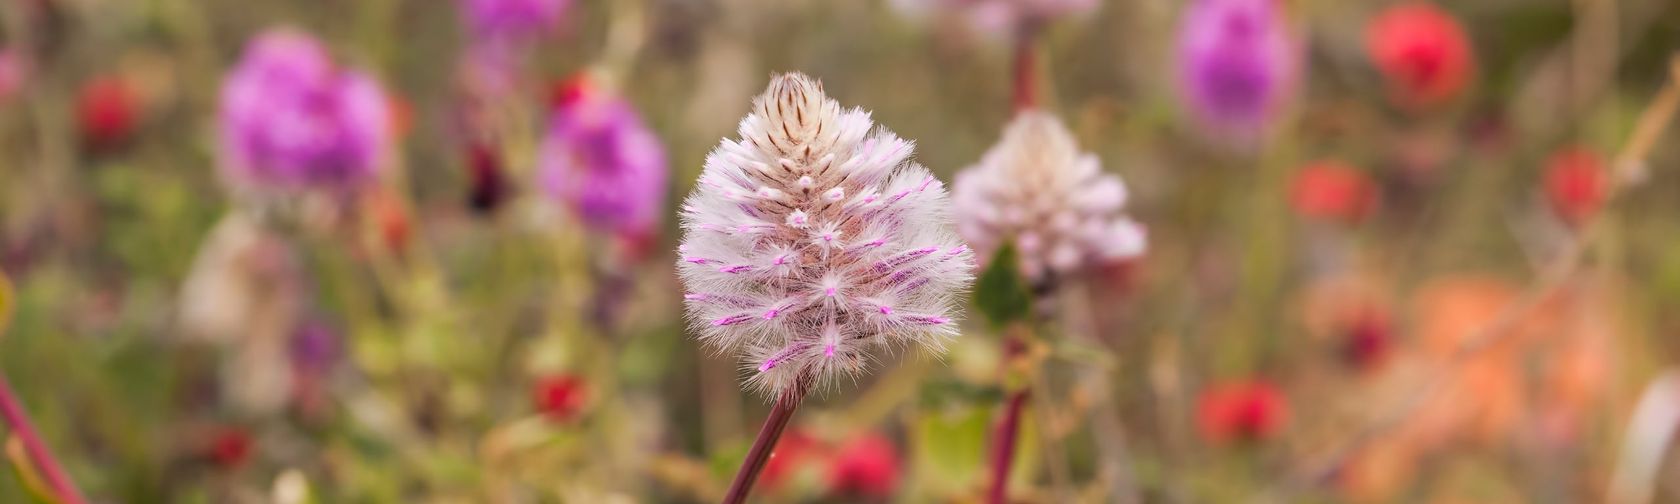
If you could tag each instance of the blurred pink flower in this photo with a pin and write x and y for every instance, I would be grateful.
(1237, 63)
(1036, 190)
(13, 74)
(602, 162)
(501, 21)
(291, 119)
(500, 33)
(812, 241)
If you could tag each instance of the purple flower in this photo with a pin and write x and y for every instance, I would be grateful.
(603, 163)
(500, 33)
(315, 347)
(291, 119)
(1237, 63)
(511, 20)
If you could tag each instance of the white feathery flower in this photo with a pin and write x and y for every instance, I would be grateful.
(812, 241)
(1053, 202)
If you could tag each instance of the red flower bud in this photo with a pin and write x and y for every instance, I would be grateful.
(1422, 51)
(230, 447)
(1247, 411)
(1576, 184)
(560, 397)
(106, 113)
(1332, 191)
(569, 91)
(865, 467)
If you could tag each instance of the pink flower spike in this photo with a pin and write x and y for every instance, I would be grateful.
(820, 228)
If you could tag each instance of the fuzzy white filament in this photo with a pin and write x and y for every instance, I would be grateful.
(812, 241)
(1053, 202)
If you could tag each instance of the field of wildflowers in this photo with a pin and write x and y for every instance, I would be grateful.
(988, 251)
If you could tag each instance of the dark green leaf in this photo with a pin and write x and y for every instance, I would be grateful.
(1000, 294)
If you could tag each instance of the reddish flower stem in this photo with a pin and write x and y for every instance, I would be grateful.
(12, 410)
(765, 444)
(1003, 446)
(1026, 66)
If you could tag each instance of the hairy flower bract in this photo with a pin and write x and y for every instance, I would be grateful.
(812, 240)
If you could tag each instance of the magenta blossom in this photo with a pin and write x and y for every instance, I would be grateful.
(291, 119)
(500, 33)
(1237, 64)
(603, 163)
(509, 20)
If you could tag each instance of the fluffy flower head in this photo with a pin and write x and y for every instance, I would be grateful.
(290, 118)
(811, 241)
(1038, 191)
(1236, 63)
(603, 163)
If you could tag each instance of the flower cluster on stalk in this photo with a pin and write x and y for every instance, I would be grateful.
(812, 240)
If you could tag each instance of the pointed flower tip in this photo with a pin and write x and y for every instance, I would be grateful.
(793, 87)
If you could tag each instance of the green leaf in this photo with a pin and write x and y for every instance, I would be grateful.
(1000, 294)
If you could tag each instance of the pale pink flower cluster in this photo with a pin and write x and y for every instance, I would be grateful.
(1035, 189)
(812, 242)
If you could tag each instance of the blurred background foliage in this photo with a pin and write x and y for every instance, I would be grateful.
(454, 323)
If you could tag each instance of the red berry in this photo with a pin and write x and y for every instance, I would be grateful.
(1576, 184)
(1332, 191)
(1422, 51)
(560, 397)
(1247, 411)
(105, 112)
(866, 466)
